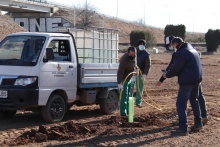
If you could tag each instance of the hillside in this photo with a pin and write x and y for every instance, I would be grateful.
(7, 26)
(125, 27)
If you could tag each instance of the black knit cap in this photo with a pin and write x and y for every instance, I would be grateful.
(141, 41)
(131, 48)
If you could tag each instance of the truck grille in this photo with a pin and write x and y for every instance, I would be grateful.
(7, 82)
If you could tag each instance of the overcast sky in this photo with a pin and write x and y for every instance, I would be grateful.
(196, 15)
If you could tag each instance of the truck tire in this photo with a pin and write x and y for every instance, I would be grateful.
(55, 109)
(110, 104)
(6, 114)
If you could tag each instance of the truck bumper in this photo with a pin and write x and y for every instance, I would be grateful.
(19, 98)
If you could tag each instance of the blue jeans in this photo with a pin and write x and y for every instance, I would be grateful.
(188, 92)
(202, 103)
(126, 93)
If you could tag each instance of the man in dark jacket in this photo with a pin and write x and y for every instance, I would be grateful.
(126, 66)
(201, 98)
(144, 63)
(187, 66)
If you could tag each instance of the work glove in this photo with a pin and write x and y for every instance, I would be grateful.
(137, 71)
(120, 87)
(144, 77)
(164, 75)
(133, 79)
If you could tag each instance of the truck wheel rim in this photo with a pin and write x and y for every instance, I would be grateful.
(112, 101)
(56, 109)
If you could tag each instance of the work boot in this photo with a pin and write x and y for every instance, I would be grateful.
(204, 121)
(176, 122)
(179, 132)
(139, 105)
(195, 128)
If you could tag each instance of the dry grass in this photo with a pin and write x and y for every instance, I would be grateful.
(7, 26)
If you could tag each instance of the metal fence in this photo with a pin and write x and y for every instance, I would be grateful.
(96, 45)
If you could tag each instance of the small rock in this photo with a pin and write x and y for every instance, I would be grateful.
(40, 137)
(42, 129)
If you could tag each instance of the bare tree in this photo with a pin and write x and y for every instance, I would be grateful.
(140, 21)
(86, 15)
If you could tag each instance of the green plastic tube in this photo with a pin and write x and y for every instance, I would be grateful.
(131, 110)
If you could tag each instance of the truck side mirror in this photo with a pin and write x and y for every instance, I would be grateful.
(49, 54)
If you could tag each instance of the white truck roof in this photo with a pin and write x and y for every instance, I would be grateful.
(40, 34)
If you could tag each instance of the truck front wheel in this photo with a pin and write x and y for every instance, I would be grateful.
(110, 104)
(55, 109)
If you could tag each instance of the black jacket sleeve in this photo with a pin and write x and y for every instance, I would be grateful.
(178, 64)
(168, 67)
(162, 79)
(171, 62)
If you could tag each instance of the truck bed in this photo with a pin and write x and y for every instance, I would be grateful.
(97, 75)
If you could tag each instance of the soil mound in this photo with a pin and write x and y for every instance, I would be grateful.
(74, 131)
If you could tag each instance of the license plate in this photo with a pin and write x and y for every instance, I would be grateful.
(3, 94)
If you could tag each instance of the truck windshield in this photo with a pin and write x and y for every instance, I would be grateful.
(21, 50)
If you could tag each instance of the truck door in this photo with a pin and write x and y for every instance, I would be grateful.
(59, 74)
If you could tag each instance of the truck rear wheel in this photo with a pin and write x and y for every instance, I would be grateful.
(55, 109)
(110, 104)
(5, 114)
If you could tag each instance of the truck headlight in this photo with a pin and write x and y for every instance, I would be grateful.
(25, 81)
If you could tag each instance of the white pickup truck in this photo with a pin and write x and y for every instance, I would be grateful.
(48, 73)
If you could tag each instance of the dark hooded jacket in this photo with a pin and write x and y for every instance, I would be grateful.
(143, 61)
(186, 65)
(126, 66)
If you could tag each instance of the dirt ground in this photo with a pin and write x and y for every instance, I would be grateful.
(87, 126)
